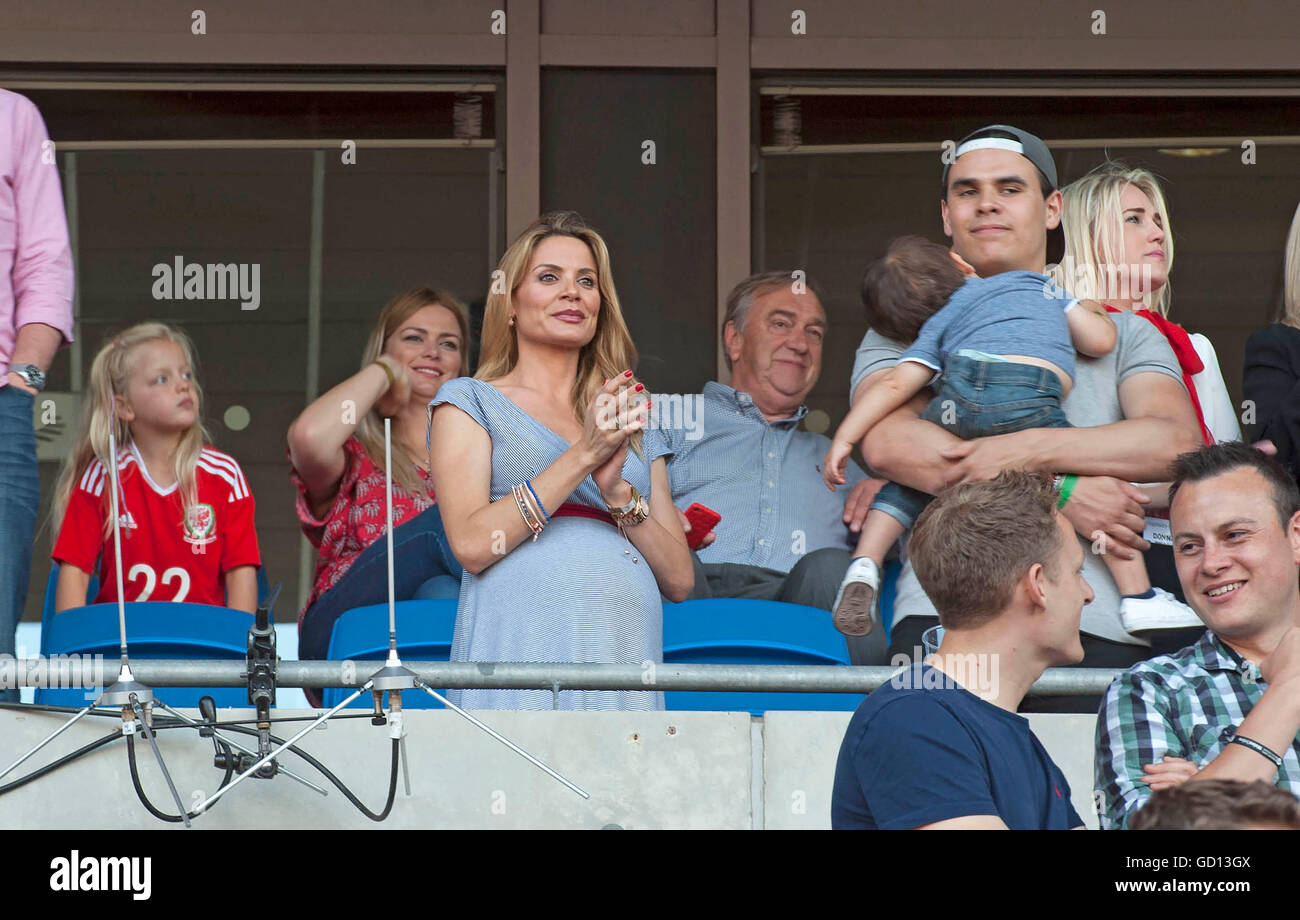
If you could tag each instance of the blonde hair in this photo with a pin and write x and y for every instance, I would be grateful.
(109, 374)
(370, 431)
(1093, 220)
(610, 351)
(1291, 274)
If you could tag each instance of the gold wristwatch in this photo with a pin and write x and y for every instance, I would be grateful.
(633, 513)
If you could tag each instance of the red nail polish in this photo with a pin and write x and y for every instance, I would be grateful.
(639, 387)
(627, 373)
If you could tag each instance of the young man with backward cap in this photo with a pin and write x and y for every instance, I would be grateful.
(1002, 209)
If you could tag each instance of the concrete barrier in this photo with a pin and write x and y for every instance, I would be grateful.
(643, 770)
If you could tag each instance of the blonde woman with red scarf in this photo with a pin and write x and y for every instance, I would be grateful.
(1118, 249)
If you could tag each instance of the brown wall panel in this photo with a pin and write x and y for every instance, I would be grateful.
(287, 32)
(659, 219)
(1186, 35)
(402, 218)
(646, 17)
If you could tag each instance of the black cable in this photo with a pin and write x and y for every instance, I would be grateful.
(62, 761)
(70, 710)
(338, 783)
(165, 722)
(80, 752)
(144, 798)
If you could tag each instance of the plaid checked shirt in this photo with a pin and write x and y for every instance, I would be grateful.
(1177, 705)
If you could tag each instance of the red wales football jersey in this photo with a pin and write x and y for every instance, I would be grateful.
(167, 554)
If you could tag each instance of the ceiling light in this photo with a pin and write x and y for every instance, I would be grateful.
(1192, 152)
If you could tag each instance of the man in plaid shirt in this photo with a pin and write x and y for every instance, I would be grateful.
(1227, 707)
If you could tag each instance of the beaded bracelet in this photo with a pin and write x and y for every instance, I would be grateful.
(534, 507)
(534, 523)
(541, 507)
(525, 511)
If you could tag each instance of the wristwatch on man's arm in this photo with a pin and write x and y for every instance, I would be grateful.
(31, 374)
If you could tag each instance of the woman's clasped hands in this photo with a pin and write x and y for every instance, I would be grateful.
(620, 408)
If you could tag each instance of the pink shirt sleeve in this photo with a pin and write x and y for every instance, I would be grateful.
(35, 258)
(356, 464)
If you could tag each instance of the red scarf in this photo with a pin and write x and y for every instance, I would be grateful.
(1189, 362)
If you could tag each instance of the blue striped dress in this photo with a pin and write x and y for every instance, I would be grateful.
(572, 596)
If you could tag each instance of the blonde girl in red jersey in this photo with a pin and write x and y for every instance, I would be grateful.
(186, 511)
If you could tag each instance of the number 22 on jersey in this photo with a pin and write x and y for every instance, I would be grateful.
(175, 573)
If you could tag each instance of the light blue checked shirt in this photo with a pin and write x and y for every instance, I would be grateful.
(764, 478)
(1176, 705)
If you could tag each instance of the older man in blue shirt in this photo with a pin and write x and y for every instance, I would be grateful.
(783, 536)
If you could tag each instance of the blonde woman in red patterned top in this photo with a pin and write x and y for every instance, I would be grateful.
(336, 448)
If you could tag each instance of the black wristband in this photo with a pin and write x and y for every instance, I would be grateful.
(1256, 747)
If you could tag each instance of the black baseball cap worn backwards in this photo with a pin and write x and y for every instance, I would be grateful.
(1029, 146)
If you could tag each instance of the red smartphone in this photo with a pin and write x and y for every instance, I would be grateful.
(703, 520)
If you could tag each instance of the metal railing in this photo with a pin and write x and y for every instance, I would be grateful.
(74, 671)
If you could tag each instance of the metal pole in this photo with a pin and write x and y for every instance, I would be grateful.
(117, 529)
(144, 727)
(503, 739)
(518, 676)
(315, 261)
(71, 206)
(388, 498)
(58, 731)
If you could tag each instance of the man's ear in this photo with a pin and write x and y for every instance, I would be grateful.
(1293, 535)
(943, 214)
(731, 341)
(1053, 205)
(1034, 582)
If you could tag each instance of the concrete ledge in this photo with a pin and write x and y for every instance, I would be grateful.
(800, 750)
(690, 770)
(643, 770)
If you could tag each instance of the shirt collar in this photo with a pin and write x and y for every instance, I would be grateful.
(134, 453)
(744, 403)
(1211, 653)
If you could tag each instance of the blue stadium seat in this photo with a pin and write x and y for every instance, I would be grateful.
(51, 588)
(157, 629)
(424, 631)
(92, 589)
(738, 631)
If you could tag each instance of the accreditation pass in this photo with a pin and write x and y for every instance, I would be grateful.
(1157, 531)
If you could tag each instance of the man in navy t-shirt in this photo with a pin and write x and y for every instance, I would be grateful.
(940, 746)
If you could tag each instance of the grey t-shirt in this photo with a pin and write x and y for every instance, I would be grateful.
(1093, 401)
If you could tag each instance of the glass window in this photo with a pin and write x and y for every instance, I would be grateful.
(841, 176)
(224, 178)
